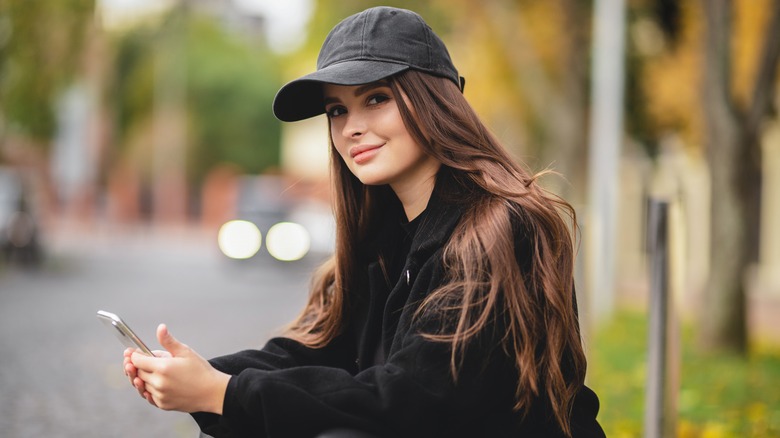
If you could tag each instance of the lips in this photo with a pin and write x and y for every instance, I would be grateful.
(362, 153)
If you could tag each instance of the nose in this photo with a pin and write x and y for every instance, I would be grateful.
(355, 125)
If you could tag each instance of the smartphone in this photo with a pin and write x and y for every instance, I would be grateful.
(122, 331)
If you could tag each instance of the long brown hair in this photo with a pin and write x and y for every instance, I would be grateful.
(536, 303)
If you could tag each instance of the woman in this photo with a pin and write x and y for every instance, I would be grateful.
(448, 308)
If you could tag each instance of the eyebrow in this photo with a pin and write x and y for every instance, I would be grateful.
(363, 89)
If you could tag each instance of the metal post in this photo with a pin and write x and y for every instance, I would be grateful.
(661, 372)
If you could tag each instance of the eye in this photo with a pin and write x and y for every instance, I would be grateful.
(335, 111)
(376, 99)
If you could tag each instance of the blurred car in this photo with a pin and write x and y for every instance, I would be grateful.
(19, 230)
(269, 216)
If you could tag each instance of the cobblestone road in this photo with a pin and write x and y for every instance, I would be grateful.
(60, 369)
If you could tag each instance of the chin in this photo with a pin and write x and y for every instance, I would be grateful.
(372, 180)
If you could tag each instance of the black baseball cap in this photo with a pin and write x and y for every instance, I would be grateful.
(364, 48)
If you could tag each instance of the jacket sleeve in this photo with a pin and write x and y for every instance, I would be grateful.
(278, 354)
(411, 395)
(282, 353)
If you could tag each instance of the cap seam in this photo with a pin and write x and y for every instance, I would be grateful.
(427, 32)
(363, 35)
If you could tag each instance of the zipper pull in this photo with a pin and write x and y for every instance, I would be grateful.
(408, 278)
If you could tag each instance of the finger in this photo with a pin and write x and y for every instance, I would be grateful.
(144, 376)
(149, 398)
(140, 387)
(142, 361)
(139, 384)
(168, 342)
(130, 371)
(126, 358)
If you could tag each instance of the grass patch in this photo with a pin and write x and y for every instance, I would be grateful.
(720, 395)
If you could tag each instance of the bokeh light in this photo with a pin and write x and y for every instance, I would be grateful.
(288, 241)
(239, 239)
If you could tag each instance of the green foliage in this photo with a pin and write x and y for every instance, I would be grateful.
(40, 46)
(133, 91)
(720, 396)
(230, 81)
(231, 86)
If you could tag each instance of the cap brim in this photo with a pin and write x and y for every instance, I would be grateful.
(302, 98)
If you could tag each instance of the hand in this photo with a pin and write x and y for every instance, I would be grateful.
(132, 372)
(176, 379)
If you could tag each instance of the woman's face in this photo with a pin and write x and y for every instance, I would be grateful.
(371, 137)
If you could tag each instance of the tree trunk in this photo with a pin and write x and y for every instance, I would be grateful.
(574, 144)
(723, 309)
(734, 154)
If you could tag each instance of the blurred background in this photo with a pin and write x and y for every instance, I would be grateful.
(142, 172)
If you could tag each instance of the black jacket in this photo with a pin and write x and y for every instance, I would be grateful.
(289, 390)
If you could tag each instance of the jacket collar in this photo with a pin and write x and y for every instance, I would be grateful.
(441, 217)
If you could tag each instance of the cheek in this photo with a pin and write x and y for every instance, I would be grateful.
(391, 120)
(338, 146)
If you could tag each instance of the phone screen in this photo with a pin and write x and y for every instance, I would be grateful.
(122, 331)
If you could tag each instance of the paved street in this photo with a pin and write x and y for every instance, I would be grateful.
(60, 368)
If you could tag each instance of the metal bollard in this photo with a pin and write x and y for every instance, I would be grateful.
(663, 359)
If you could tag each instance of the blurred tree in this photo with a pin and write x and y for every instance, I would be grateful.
(132, 89)
(231, 85)
(40, 53)
(646, 39)
(732, 136)
(231, 79)
(40, 47)
(666, 59)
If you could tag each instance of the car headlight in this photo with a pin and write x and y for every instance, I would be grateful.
(288, 241)
(239, 239)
